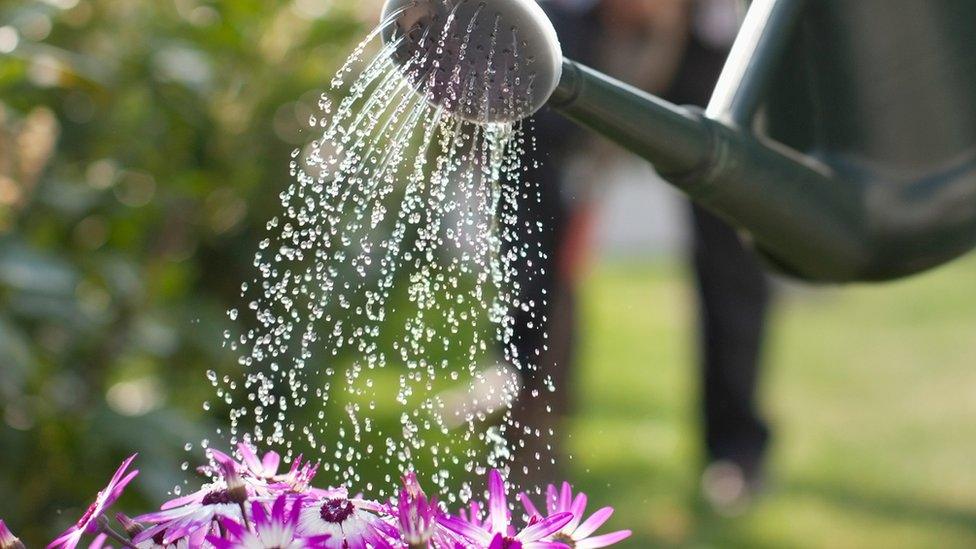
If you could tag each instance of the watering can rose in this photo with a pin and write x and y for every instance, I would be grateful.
(250, 504)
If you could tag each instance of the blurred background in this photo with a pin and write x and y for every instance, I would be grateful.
(142, 148)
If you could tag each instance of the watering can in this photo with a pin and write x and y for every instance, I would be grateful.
(841, 137)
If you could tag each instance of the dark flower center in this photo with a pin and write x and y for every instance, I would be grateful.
(511, 543)
(217, 497)
(564, 539)
(336, 510)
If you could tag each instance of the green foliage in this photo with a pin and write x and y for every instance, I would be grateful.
(142, 147)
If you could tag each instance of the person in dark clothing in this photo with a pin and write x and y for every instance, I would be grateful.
(733, 291)
(733, 298)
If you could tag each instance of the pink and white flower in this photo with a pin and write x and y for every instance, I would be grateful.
(250, 505)
(577, 533)
(417, 518)
(499, 533)
(88, 523)
(351, 523)
(194, 516)
(274, 530)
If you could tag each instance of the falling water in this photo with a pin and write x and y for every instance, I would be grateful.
(386, 285)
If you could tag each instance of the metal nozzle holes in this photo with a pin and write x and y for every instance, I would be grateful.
(486, 61)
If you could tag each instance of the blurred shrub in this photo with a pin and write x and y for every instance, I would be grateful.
(142, 146)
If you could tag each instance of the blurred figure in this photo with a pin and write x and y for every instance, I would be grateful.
(676, 48)
(545, 335)
(733, 290)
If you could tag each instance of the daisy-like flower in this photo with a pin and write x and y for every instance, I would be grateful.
(269, 531)
(298, 480)
(88, 523)
(265, 468)
(417, 518)
(498, 533)
(191, 516)
(351, 523)
(577, 532)
(194, 515)
(416, 515)
(7, 538)
(262, 474)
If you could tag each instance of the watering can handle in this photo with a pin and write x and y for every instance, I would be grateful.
(757, 51)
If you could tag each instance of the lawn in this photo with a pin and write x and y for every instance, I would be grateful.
(872, 391)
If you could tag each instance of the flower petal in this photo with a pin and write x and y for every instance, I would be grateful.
(552, 499)
(122, 484)
(530, 508)
(270, 462)
(232, 527)
(98, 542)
(250, 456)
(466, 529)
(67, 540)
(604, 540)
(566, 497)
(595, 521)
(176, 502)
(544, 527)
(498, 513)
(259, 514)
(577, 508)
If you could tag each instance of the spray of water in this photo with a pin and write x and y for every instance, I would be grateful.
(386, 286)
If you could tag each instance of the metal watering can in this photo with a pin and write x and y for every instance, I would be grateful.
(841, 136)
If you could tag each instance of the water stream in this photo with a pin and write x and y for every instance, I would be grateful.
(383, 293)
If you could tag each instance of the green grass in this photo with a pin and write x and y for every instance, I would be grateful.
(872, 392)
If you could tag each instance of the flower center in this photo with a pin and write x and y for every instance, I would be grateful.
(564, 539)
(511, 543)
(217, 497)
(336, 510)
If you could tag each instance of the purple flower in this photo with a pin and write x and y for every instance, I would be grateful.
(193, 516)
(230, 471)
(417, 518)
(88, 523)
(7, 539)
(277, 530)
(298, 480)
(190, 516)
(351, 523)
(262, 474)
(265, 468)
(573, 533)
(498, 533)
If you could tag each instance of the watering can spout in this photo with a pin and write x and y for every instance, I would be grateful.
(833, 196)
(789, 204)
